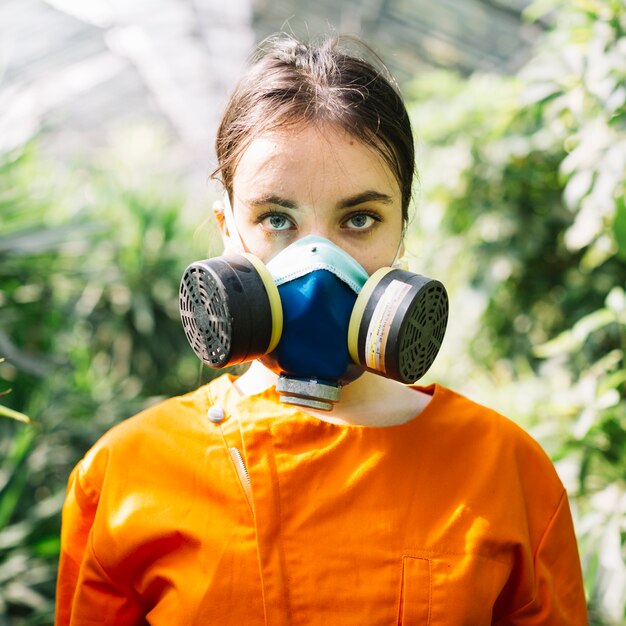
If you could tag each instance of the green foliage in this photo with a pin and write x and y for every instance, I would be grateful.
(16, 415)
(11, 413)
(524, 201)
(90, 261)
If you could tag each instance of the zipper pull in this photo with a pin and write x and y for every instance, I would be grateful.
(242, 473)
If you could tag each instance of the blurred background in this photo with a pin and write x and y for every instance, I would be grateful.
(108, 111)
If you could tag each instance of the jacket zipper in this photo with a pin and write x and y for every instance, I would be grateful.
(242, 473)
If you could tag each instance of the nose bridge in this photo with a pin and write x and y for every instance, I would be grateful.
(321, 232)
(320, 224)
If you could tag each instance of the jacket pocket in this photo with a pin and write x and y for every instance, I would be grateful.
(415, 592)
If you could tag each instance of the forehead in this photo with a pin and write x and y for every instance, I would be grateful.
(313, 154)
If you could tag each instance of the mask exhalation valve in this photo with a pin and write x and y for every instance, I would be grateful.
(308, 392)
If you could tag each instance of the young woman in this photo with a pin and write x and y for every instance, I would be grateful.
(248, 501)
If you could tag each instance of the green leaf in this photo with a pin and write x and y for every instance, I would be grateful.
(39, 240)
(47, 546)
(619, 228)
(16, 478)
(16, 415)
(573, 339)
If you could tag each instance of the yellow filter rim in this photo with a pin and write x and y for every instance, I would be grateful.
(276, 307)
(359, 308)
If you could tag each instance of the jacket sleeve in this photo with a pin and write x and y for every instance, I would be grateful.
(85, 594)
(558, 597)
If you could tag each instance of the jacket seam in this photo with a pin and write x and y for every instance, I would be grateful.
(82, 476)
(430, 553)
(535, 553)
(281, 547)
(110, 578)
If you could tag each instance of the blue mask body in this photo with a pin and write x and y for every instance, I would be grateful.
(318, 285)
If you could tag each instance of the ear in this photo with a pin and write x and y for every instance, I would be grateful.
(225, 221)
(218, 212)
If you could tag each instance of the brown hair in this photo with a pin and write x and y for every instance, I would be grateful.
(289, 82)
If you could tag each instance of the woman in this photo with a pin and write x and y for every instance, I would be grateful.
(247, 502)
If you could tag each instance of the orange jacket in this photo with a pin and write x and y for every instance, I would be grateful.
(274, 517)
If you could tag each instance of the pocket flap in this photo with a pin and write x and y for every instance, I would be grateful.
(415, 593)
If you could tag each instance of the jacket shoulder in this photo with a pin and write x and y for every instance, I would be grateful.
(486, 437)
(175, 423)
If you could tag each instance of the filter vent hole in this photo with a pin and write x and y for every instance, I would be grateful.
(205, 316)
(424, 331)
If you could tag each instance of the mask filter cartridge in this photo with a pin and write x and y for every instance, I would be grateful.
(230, 310)
(398, 324)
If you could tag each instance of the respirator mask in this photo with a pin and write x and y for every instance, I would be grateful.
(313, 316)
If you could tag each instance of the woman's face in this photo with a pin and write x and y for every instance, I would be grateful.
(317, 180)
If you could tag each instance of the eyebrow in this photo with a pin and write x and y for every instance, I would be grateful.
(271, 199)
(366, 196)
(346, 203)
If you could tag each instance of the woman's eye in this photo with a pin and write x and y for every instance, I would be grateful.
(360, 221)
(276, 221)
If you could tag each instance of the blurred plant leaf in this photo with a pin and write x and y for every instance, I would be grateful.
(619, 227)
(573, 339)
(6, 412)
(16, 415)
(40, 240)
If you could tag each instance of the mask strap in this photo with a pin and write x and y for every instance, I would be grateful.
(399, 262)
(233, 234)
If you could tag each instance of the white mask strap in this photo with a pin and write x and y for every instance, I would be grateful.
(236, 243)
(399, 262)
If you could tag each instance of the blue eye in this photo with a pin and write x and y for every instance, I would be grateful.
(276, 221)
(361, 221)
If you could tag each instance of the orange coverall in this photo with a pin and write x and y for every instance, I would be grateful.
(274, 517)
